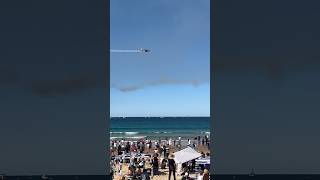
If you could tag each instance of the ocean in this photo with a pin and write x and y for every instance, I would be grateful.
(155, 127)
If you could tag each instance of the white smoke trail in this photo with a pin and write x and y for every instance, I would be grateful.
(123, 51)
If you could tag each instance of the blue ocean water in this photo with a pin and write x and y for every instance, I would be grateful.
(154, 127)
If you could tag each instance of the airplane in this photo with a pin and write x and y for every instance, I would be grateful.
(140, 50)
(144, 50)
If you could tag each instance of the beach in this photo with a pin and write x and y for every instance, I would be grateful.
(146, 153)
(140, 139)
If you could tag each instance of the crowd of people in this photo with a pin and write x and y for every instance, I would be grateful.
(204, 141)
(142, 145)
(144, 158)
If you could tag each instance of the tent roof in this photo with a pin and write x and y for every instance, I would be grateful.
(186, 155)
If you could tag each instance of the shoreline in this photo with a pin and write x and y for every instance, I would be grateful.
(156, 135)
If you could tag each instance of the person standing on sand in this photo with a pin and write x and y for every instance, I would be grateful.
(120, 169)
(202, 154)
(142, 147)
(155, 164)
(172, 166)
(206, 174)
(164, 151)
(127, 148)
(207, 140)
(193, 165)
(174, 142)
(119, 150)
(145, 175)
(160, 150)
(167, 150)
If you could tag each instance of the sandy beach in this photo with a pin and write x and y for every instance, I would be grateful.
(163, 172)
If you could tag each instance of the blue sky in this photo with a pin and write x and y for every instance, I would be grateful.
(173, 80)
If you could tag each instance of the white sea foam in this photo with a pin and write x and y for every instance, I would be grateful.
(112, 132)
(131, 133)
(127, 133)
(126, 137)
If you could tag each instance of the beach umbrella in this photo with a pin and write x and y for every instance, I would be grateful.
(186, 155)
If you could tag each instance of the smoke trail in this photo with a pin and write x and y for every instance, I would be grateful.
(123, 51)
(159, 82)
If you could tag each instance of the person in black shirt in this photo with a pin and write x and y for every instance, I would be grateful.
(164, 151)
(193, 165)
(172, 167)
(127, 148)
(119, 150)
(155, 164)
(142, 147)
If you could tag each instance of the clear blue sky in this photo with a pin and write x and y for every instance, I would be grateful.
(174, 79)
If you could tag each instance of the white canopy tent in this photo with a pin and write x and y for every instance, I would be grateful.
(185, 155)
